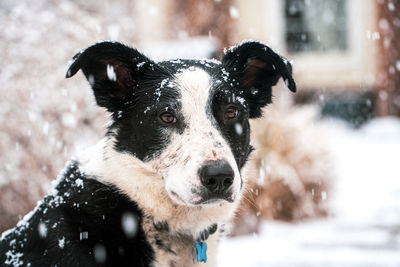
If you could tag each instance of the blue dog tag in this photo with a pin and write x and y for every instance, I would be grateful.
(201, 249)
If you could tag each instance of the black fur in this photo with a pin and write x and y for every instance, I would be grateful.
(81, 218)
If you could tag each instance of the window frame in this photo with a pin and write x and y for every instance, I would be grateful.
(354, 68)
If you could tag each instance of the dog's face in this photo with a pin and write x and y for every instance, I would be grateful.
(188, 120)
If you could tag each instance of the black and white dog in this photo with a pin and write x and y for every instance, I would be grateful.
(160, 185)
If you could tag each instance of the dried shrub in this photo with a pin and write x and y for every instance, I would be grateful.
(291, 171)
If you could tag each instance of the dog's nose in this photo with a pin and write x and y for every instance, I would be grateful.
(216, 176)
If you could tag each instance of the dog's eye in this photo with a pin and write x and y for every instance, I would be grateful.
(231, 113)
(167, 117)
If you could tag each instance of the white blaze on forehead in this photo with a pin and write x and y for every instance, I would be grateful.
(195, 85)
(195, 89)
(200, 134)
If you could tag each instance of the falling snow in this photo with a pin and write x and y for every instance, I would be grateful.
(91, 79)
(61, 242)
(391, 6)
(238, 128)
(100, 253)
(234, 12)
(323, 195)
(129, 224)
(112, 76)
(254, 90)
(42, 229)
(119, 114)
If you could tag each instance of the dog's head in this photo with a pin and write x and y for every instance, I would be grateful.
(186, 119)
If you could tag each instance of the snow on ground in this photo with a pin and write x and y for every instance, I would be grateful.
(364, 229)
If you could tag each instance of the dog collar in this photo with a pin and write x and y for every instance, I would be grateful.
(201, 245)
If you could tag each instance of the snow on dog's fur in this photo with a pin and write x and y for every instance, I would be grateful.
(169, 170)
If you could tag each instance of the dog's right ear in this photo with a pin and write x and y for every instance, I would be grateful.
(257, 68)
(113, 71)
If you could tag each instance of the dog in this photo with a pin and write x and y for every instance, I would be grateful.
(158, 189)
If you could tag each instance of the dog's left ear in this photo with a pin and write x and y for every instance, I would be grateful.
(256, 68)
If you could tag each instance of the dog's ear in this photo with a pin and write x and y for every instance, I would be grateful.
(113, 71)
(256, 68)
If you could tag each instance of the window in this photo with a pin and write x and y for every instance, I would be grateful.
(316, 25)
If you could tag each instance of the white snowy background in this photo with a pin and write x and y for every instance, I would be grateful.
(45, 119)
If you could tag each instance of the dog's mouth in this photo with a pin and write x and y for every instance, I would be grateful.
(210, 199)
(204, 198)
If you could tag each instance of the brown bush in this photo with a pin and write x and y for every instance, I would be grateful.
(290, 172)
